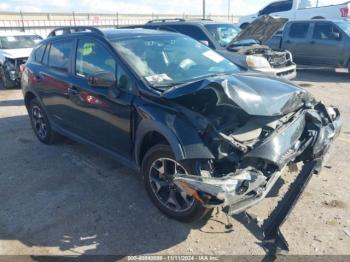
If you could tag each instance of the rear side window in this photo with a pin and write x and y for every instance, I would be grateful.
(93, 58)
(325, 31)
(60, 53)
(299, 30)
(191, 31)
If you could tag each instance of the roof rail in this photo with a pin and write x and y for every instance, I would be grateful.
(167, 20)
(74, 29)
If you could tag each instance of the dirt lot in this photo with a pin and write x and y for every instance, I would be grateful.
(68, 199)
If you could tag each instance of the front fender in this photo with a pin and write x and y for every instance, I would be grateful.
(181, 136)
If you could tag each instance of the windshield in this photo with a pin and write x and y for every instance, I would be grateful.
(19, 41)
(344, 26)
(168, 60)
(223, 33)
(244, 42)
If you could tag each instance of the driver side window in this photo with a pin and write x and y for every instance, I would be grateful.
(93, 58)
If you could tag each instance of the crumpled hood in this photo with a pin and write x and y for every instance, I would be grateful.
(16, 53)
(261, 30)
(256, 94)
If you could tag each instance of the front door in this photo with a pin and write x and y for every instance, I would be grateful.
(101, 114)
(327, 45)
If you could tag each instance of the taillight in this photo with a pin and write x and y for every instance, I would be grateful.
(344, 11)
(22, 67)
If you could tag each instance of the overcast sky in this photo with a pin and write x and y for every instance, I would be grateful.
(238, 7)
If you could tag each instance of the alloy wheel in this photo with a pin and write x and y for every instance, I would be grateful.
(39, 122)
(161, 177)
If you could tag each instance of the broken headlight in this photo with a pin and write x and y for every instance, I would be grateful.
(257, 62)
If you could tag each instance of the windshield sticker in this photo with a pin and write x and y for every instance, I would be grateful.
(11, 39)
(158, 78)
(213, 56)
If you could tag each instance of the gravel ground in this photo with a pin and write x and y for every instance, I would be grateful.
(68, 199)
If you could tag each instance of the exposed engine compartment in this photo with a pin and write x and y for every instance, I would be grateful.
(253, 133)
(276, 58)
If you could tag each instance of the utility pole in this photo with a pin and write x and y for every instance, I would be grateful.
(203, 9)
(228, 9)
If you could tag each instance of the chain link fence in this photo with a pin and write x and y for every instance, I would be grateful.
(43, 23)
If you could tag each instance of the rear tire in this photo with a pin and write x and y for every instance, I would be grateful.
(185, 209)
(41, 124)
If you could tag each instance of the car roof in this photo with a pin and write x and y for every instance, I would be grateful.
(186, 22)
(133, 32)
(116, 33)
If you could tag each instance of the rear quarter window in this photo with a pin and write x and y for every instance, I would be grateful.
(299, 30)
(37, 54)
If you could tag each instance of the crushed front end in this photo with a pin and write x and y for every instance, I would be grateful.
(305, 138)
(252, 147)
(12, 72)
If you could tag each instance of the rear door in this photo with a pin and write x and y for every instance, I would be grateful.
(327, 45)
(54, 77)
(297, 41)
(101, 115)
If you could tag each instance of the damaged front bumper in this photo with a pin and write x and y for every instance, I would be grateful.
(289, 72)
(246, 187)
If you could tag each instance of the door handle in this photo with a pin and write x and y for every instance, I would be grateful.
(38, 77)
(73, 90)
(288, 42)
(312, 42)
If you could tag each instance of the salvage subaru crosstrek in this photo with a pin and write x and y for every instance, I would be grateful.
(202, 133)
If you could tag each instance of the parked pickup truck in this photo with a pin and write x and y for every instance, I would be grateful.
(302, 10)
(316, 42)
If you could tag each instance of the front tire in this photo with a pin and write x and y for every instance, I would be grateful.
(41, 124)
(158, 168)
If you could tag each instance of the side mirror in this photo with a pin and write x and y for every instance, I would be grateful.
(102, 79)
